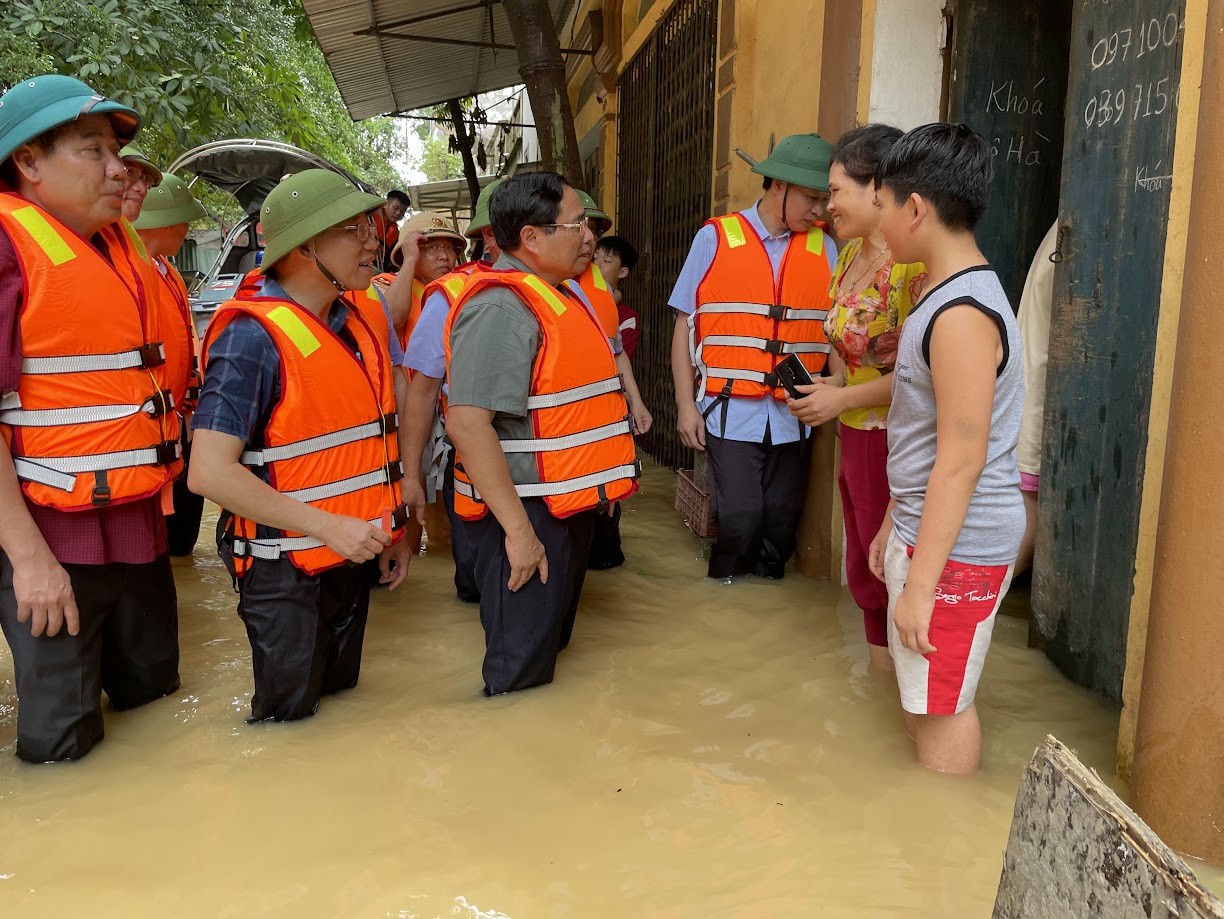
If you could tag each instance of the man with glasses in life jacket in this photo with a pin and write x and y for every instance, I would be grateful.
(295, 437)
(541, 429)
(87, 596)
(753, 290)
(163, 220)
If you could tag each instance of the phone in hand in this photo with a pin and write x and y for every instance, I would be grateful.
(792, 374)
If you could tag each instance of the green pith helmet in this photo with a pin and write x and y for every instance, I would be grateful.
(480, 220)
(130, 154)
(801, 159)
(593, 213)
(304, 205)
(35, 106)
(168, 205)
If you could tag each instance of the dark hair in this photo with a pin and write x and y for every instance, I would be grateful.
(619, 246)
(767, 184)
(948, 164)
(396, 195)
(10, 175)
(524, 200)
(861, 150)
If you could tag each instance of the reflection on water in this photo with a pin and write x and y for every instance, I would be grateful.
(706, 751)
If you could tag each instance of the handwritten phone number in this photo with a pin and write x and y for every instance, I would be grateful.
(1148, 37)
(1110, 107)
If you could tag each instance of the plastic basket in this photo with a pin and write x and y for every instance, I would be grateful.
(695, 505)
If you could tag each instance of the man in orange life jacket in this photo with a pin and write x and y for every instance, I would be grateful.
(541, 429)
(386, 221)
(439, 248)
(295, 436)
(162, 222)
(755, 289)
(87, 434)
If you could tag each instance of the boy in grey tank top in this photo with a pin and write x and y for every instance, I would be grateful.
(948, 545)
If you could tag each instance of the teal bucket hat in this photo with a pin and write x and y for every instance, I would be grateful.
(168, 205)
(304, 205)
(37, 105)
(801, 159)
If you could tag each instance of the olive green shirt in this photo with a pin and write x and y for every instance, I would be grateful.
(494, 343)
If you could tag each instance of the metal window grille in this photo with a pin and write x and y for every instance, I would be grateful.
(664, 173)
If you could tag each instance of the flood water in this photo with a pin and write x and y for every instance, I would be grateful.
(705, 751)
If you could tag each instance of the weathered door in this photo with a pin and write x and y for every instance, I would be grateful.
(1009, 82)
(663, 190)
(1117, 174)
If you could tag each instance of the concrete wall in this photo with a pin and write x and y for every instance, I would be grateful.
(906, 64)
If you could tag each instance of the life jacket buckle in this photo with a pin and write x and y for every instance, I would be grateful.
(101, 491)
(395, 472)
(159, 403)
(775, 346)
(152, 355)
(391, 423)
(167, 452)
(777, 311)
(771, 380)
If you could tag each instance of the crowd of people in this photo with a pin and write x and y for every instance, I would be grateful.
(367, 389)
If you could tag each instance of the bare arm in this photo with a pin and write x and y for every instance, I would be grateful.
(216, 473)
(965, 353)
(471, 429)
(641, 415)
(689, 422)
(42, 587)
(416, 424)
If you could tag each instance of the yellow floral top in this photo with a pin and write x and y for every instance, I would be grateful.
(866, 327)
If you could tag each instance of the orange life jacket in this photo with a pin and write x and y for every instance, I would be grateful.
(331, 439)
(746, 322)
(600, 297)
(583, 444)
(250, 286)
(92, 421)
(182, 339)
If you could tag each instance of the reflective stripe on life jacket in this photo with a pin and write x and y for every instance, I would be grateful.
(583, 443)
(331, 438)
(91, 422)
(746, 321)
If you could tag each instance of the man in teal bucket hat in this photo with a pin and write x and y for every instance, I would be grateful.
(88, 604)
(295, 436)
(753, 293)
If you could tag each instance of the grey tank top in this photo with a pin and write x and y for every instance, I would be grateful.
(994, 523)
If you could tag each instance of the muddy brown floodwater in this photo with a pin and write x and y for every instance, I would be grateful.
(705, 751)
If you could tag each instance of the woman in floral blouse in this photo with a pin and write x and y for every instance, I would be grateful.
(872, 296)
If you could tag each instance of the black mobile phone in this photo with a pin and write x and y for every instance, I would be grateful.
(793, 374)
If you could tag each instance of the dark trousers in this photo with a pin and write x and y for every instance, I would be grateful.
(127, 647)
(306, 633)
(462, 550)
(525, 630)
(758, 492)
(606, 549)
(183, 526)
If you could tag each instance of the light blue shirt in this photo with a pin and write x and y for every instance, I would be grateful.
(426, 352)
(745, 419)
(393, 345)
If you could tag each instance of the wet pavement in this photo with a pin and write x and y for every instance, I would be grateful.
(706, 750)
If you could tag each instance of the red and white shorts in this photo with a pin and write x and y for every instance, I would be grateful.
(966, 602)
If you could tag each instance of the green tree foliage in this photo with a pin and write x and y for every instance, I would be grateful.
(436, 160)
(200, 70)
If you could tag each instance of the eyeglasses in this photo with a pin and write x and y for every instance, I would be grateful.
(364, 230)
(138, 175)
(579, 226)
(440, 249)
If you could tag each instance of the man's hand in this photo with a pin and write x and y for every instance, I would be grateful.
(400, 555)
(354, 538)
(692, 427)
(44, 596)
(414, 498)
(822, 401)
(526, 555)
(642, 419)
(912, 616)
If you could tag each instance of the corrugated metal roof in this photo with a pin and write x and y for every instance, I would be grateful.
(378, 75)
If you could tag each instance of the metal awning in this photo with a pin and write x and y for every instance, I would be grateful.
(445, 49)
(450, 196)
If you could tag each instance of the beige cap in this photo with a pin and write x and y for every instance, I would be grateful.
(431, 225)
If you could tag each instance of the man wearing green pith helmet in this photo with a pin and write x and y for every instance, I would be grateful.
(162, 223)
(295, 436)
(753, 292)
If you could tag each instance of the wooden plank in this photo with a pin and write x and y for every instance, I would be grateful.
(1121, 117)
(1076, 851)
(1009, 82)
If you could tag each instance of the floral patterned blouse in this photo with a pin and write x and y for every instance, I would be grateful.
(866, 327)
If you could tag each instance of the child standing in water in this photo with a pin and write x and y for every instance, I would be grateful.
(949, 543)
